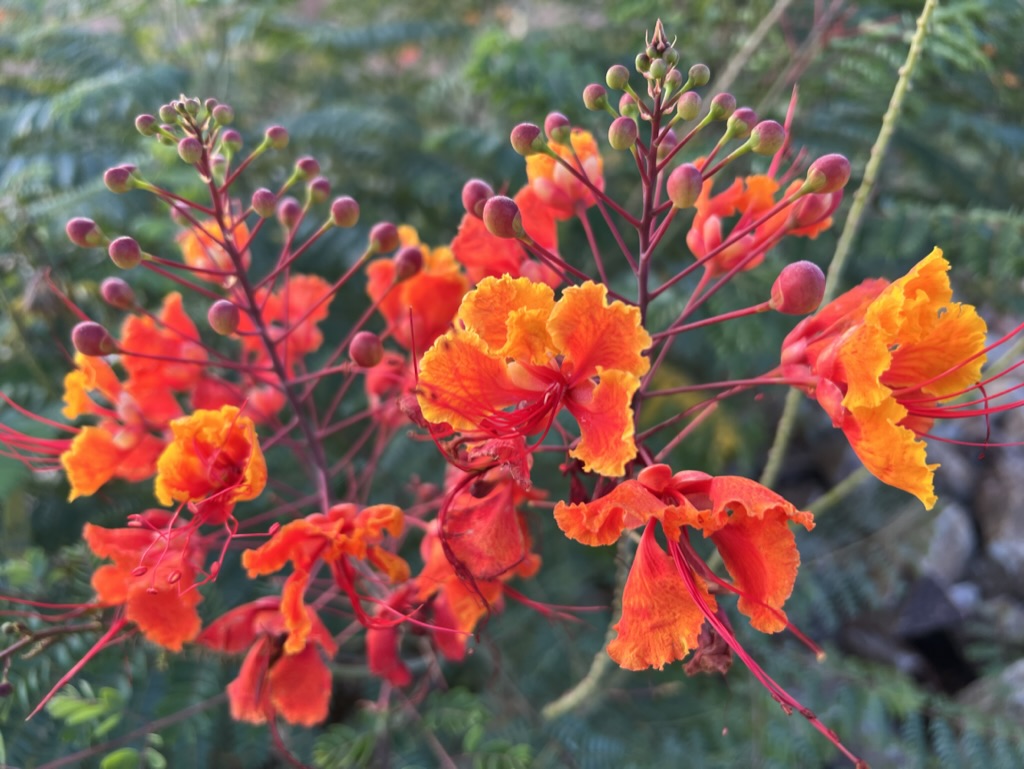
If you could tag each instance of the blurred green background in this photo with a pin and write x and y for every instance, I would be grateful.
(921, 613)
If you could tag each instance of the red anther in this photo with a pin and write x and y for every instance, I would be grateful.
(138, 571)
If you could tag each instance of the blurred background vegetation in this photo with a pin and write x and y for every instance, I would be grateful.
(921, 612)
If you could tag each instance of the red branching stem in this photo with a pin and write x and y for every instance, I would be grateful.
(697, 421)
(676, 418)
(598, 193)
(35, 417)
(673, 330)
(150, 264)
(592, 242)
(626, 253)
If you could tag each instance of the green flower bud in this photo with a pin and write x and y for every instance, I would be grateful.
(277, 137)
(557, 128)
(628, 107)
(319, 189)
(643, 63)
(617, 77)
(683, 185)
(190, 149)
(688, 106)
(622, 133)
(223, 114)
(168, 114)
(146, 125)
(595, 97)
(307, 167)
(768, 137)
(658, 69)
(231, 140)
(740, 123)
(722, 106)
(699, 75)
(344, 212)
(264, 202)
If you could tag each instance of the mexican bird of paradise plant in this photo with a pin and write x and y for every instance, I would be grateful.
(498, 353)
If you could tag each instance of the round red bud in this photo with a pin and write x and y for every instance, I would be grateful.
(190, 149)
(119, 179)
(684, 185)
(146, 125)
(209, 104)
(699, 75)
(91, 339)
(814, 208)
(231, 140)
(365, 349)
(319, 189)
(475, 193)
(628, 107)
(557, 128)
(223, 114)
(277, 137)
(828, 174)
(595, 97)
(224, 317)
(264, 202)
(125, 252)
(289, 211)
(344, 212)
(117, 293)
(799, 289)
(502, 218)
(767, 137)
(622, 133)
(688, 106)
(168, 114)
(384, 238)
(741, 122)
(85, 233)
(6, 689)
(526, 139)
(408, 262)
(667, 143)
(307, 167)
(617, 77)
(722, 106)
(643, 62)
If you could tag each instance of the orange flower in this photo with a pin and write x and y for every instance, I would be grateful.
(273, 682)
(558, 187)
(751, 197)
(292, 315)
(486, 255)
(168, 356)
(152, 576)
(666, 601)
(203, 249)
(343, 532)
(514, 346)
(419, 308)
(214, 461)
(884, 358)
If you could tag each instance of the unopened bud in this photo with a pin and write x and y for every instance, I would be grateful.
(289, 211)
(319, 189)
(210, 104)
(192, 106)
(814, 208)
(163, 138)
(722, 106)
(684, 185)
(264, 202)
(667, 143)
(224, 317)
(91, 339)
(408, 262)
(688, 106)
(223, 114)
(190, 149)
(699, 75)
(6, 689)
(365, 349)
(799, 289)
(146, 125)
(670, 55)
(526, 139)
(277, 137)
(475, 193)
(344, 212)
(119, 179)
(617, 77)
(658, 70)
(622, 133)
(595, 97)
(125, 252)
(384, 238)
(231, 140)
(673, 80)
(85, 233)
(218, 163)
(168, 114)
(558, 128)
(307, 167)
(502, 218)
(628, 107)
(740, 123)
(643, 62)
(828, 174)
(117, 293)
(767, 137)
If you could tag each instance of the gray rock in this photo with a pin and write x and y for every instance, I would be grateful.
(952, 543)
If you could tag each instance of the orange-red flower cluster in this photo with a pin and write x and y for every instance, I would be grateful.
(666, 599)
(883, 358)
(556, 185)
(517, 357)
